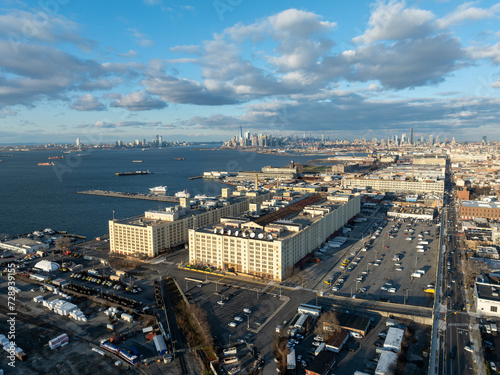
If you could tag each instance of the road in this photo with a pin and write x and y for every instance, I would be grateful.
(458, 322)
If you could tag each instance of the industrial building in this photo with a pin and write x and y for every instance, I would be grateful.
(23, 246)
(157, 231)
(271, 244)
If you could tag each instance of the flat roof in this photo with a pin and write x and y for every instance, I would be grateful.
(142, 221)
(480, 204)
(322, 360)
(23, 242)
(353, 321)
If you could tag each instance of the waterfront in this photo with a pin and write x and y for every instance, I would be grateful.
(35, 197)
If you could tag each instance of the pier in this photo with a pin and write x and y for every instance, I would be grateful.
(117, 194)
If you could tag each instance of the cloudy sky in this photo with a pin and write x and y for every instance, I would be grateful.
(198, 70)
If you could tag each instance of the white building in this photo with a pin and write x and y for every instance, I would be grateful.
(486, 291)
(23, 246)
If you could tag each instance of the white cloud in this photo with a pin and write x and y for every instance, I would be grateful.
(486, 52)
(187, 49)
(392, 21)
(138, 101)
(141, 38)
(130, 53)
(465, 12)
(88, 102)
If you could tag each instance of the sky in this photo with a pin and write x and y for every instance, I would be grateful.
(198, 70)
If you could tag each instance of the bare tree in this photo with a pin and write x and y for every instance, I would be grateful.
(328, 325)
(63, 243)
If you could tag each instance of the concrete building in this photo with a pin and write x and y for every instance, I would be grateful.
(269, 246)
(157, 231)
(487, 298)
(432, 160)
(399, 186)
(487, 252)
(474, 209)
(23, 246)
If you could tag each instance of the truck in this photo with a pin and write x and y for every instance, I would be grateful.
(416, 274)
(278, 328)
(320, 348)
(494, 328)
(290, 360)
(423, 242)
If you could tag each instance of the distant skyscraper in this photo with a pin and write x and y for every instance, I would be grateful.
(422, 139)
(78, 142)
(453, 143)
(411, 136)
(438, 140)
(485, 140)
(431, 140)
(403, 138)
(160, 140)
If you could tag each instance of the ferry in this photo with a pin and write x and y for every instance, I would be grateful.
(179, 158)
(183, 194)
(56, 157)
(136, 161)
(158, 189)
(46, 164)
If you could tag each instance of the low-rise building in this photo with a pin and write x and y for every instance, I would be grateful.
(486, 291)
(394, 339)
(386, 363)
(23, 246)
(322, 363)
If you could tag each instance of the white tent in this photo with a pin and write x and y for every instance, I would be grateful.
(47, 266)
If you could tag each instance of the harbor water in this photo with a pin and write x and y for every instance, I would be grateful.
(36, 197)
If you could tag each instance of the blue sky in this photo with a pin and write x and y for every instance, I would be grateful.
(188, 70)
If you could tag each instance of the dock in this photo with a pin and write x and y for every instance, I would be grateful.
(117, 194)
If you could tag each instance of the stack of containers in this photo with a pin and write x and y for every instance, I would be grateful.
(61, 340)
(65, 308)
(4, 341)
(111, 311)
(38, 299)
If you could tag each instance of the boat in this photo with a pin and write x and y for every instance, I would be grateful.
(136, 161)
(46, 164)
(179, 158)
(132, 173)
(183, 194)
(83, 155)
(56, 157)
(145, 149)
(158, 189)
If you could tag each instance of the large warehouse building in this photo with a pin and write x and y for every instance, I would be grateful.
(400, 186)
(269, 246)
(156, 231)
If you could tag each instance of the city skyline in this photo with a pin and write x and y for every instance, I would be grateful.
(200, 72)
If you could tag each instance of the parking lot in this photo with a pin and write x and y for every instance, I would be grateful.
(382, 266)
(225, 305)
